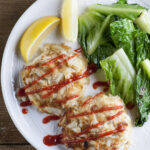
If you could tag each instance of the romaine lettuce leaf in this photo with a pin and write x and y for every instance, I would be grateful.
(122, 10)
(122, 2)
(122, 35)
(103, 51)
(87, 21)
(142, 96)
(96, 34)
(143, 21)
(91, 32)
(142, 46)
(121, 74)
(146, 67)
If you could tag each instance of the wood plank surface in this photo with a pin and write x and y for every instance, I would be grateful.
(16, 147)
(10, 11)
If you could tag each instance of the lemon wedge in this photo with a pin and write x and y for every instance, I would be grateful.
(69, 15)
(34, 35)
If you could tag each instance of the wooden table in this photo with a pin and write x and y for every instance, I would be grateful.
(10, 11)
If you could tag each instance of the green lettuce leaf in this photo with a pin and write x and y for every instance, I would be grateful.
(122, 2)
(146, 67)
(94, 32)
(142, 96)
(122, 10)
(122, 35)
(121, 74)
(142, 46)
(87, 21)
(143, 21)
(103, 51)
(95, 36)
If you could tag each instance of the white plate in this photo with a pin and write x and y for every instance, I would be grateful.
(30, 125)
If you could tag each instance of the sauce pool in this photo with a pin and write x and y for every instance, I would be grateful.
(100, 83)
(50, 118)
(21, 92)
(26, 103)
(130, 106)
(24, 111)
(103, 84)
(51, 140)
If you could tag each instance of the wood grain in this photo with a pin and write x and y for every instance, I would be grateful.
(16, 147)
(10, 11)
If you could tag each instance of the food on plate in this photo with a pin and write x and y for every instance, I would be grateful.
(90, 23)
(146, 66)
(143, 21)
(122, 36)
(101, 123)
(56, 78)
(103, 29)
(114, 38)
(121, 74)
(69, 22)
(35, 33)
(99, 17)
(124, 10)
(142, 96)
(142, 79)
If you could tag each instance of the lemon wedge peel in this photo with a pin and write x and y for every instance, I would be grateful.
(35, 33)
(69, 22)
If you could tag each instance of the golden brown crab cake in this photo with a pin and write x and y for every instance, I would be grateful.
(45, 79)
(99, 123)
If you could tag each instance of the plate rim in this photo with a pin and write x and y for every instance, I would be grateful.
(4, 95)
(3, 78)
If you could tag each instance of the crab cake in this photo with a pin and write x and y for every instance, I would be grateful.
(47, 80)
(99, 123)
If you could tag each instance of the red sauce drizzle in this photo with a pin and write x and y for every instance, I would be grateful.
(47, 73)
(50, 118)
(130, 105)
(90, 70)
(43, 105)
(114, 116)
(96, 111)
(26, 103)
(98, 124)
(79, 50)
(91, 98)
(31, 67)
(89, 128)
(103, 84)
(24, 111)
(106, 89)
(53, 60)
(121, 127)
(66, 99)
(100, 83)
(46, 63)
(54, 88)
(21, 92)
(51, 140)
